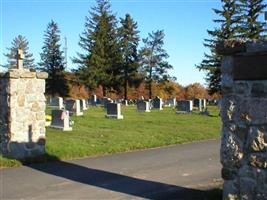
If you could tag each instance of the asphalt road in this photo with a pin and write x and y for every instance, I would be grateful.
(176, 172)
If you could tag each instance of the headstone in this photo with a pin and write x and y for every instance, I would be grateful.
(204, 104)
(157, 103)
(73, 106)
(22, 112)
(114, 111)
(61, 120)
(83, 104)
(143, 106)
(105, 101)
(244, 121)
(93, 100)
(198, 104)
(125, 102)
(56, 102)
(171, 102)
(184, 107)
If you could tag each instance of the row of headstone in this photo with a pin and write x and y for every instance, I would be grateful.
(61, 115)
(58, 103)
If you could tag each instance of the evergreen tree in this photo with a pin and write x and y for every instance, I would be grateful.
(229, 28)
(52, 62)
(129, 40)
(100, 60)
(252, 27)
(153, 58)
(19, 42)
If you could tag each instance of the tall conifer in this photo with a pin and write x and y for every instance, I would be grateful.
(153, 58)
(252, 27)
(228, 28)
(129, 40)
(101, 55)
(52, 62)
(19, 42)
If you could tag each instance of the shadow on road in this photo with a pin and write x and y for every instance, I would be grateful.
(118, 182)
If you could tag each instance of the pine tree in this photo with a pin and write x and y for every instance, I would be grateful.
(100, 60)
(229, 28)
(153, 58)
(52, 62)
(129, 40)
(252, 27)
(19, 42)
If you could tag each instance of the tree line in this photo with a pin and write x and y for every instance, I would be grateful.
(110, 56)
(238, 19)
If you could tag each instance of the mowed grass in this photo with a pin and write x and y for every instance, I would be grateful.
(94, 135)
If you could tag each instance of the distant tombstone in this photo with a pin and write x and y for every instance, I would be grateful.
(83, 104)
(204, 104)
(125, 102)
(105, 101)
(198, 104)
(114, 111)
(73, 106)
(61, 120)
(157, 103)
(93, 100)
(56, 102)
(131, 102)
(143, 106)
(171, 102)
(184, 107)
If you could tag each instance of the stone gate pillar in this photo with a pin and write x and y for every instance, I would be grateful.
(244, 117)
(22, 112)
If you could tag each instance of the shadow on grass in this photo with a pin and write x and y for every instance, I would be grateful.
(117, 182)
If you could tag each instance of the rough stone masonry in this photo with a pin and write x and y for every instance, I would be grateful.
(244, 117)
(22, 112)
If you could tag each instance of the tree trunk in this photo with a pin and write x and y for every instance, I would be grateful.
(150, 89)
(104, 91)
(125, 87)
(150, 83)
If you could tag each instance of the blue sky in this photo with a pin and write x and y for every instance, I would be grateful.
(184, 22)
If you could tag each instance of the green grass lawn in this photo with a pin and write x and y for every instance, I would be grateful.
(94, 135)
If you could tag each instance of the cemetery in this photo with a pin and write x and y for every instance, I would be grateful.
(115, 121)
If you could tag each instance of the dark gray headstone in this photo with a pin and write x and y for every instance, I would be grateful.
(143, 106)
(157, 103)
(198, 104)
(114, 110)
(61, 120)
(83, 104)
(73, 106)
(184, 107)
(56, 102)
